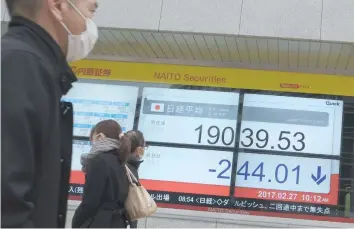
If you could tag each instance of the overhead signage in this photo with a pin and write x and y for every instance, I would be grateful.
(96, 102)
(215, 77)
(189, 117)
(291, 124)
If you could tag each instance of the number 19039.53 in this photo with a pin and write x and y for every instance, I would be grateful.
(250, 138)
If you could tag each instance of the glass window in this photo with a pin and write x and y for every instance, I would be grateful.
(227, 150)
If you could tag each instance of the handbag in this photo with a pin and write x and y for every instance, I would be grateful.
(139, 203)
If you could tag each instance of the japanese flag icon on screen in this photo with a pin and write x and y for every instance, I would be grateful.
(157, 107)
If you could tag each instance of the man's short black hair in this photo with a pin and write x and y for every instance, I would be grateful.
(21, 7)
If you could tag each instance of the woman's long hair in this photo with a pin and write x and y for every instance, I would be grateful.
(136, 138)
(111, 129)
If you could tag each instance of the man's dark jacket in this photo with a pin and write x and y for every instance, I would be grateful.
(36, 128)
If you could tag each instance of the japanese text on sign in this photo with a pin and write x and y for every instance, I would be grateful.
(205, 117)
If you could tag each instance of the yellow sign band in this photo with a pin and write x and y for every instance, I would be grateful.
(215, 77)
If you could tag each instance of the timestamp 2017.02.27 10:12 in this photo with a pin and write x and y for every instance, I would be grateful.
(274, 195)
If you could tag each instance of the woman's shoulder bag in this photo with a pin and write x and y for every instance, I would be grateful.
(139, 203)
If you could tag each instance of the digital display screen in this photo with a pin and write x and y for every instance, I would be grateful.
(189, 117)
(222, 150)
(96, 102)
(291, 124)
(287, 178)
(187, 170)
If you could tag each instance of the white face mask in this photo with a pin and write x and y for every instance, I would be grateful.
(79, 46)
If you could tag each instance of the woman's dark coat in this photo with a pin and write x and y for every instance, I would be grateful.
(105, 191)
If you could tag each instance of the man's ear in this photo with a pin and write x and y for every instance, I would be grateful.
(58, 8)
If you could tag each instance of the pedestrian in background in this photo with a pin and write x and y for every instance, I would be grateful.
(36, 128)
(138, 147)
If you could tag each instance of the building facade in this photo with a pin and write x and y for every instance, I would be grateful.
(247, 107)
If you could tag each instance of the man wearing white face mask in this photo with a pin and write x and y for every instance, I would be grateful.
(36, 128)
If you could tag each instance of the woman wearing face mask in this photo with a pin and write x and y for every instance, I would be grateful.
(138, 147)
(106, 186)
(136, 156)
